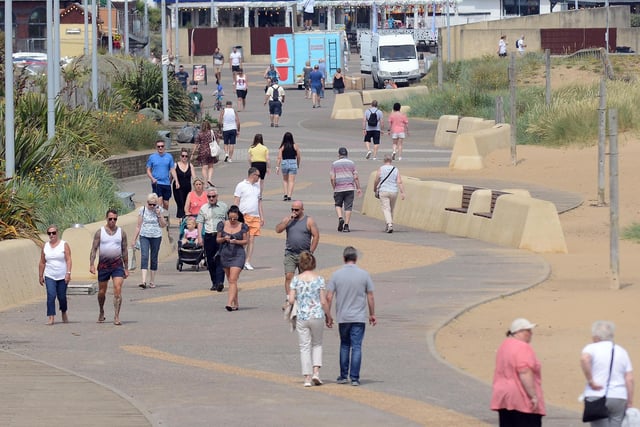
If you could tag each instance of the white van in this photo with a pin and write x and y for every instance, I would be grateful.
(389, 57)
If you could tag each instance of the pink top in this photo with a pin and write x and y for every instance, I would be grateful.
(398, 122)
(508, 393)
(196, 202)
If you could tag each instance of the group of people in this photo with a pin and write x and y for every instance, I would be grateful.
(397, 128)
(502, 46)
(517, 382)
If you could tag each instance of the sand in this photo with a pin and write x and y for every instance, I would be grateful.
(579, 290)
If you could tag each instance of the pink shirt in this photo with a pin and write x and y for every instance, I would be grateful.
(508, 393)
(196, 202)
(398, 122)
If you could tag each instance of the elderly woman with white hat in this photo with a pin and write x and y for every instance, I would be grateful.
(517, 382)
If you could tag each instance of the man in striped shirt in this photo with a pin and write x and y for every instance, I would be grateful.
(345, 183)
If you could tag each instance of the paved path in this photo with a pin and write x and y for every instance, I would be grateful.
(181, 360)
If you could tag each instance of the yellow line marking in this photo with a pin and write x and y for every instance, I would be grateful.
(411, 409)
(376, 256)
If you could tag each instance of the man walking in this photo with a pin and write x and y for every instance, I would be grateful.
(160, 169)
(218, 62)
(208, 218)
(113, 263)
(248, 197)
(275, 97)
(235, 60)
(196, 103)
(371, 129)
(182, 76)
(345, 182)
(352, 288)
(302, 235)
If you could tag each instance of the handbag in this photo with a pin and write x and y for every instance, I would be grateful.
(214, 148)
(376, 192)
(132, 259)
(597, 409)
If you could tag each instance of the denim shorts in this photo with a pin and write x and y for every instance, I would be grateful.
(289, 166)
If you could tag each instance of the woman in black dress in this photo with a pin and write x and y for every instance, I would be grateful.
(185, 173)
(232, 235)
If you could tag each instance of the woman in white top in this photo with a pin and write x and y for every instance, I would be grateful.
(54, 270)
(387, 183)
(230, 129)
(150, 224)
(595, 362)
(242, 86)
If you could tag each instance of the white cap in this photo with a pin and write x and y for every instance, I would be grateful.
(521, 324)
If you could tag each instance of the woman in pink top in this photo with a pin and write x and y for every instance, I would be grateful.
(195, 199)
(398, 129)
(517, 383)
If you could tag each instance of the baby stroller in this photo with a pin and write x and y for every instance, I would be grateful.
(190, 253)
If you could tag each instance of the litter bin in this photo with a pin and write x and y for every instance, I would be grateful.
(165, 135)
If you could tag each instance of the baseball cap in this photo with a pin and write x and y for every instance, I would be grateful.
(521, 324)
(342, 151)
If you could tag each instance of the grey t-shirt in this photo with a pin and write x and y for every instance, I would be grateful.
(298, 236)
(350, 286)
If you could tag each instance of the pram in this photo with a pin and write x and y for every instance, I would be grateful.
(190, 253)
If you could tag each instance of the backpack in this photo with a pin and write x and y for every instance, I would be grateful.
(517, 43)
(276, 93)
(372, 121)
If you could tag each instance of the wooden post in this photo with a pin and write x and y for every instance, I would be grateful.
(602, 129)
(440, 71)
(499, 110)
(512, 103)
(547, 57)
(613, 198)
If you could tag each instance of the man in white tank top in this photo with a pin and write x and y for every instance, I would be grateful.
(230, 129)
(112, 264)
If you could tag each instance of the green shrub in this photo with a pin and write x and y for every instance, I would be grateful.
(124, 131)
(632, 232)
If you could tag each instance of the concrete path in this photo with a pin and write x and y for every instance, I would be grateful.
(180, 359)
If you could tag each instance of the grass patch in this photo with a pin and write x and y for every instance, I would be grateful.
(632, 232)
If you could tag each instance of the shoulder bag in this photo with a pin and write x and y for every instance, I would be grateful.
(597, 409)
(214, 148)
(377, 190)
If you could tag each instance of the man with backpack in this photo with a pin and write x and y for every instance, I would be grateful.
(275, 97)
(371, 129)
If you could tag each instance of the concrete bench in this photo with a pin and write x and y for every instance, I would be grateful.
(467, 192)
(494, 199)
(471, 148)
(450, 126)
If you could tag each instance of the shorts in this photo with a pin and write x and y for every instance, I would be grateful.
(289, 167)
(291, 262)
(235, 68)
(253, 222)
(229, 137)
(316, 89)
(241, 93)
(344, 199)
(163, 191)
(398, 135)
(372, 135)
(107, 273)
(275, 108)
(308, 16)
(262, 168)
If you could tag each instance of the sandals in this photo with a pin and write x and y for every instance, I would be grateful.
(142, 285)
(152, 285)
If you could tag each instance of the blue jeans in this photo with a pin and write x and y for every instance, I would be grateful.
(149, 248)
(351, 336)
(56, 288)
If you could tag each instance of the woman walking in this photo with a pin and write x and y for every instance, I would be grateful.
(338, 82)
(149, 230)
(202, 150)
(289, 158)
(387, 183)
(54, 272)
(259, 158)
(184, 172)
(399, 130)
(232, 235)
(230, 129)
(308, 290)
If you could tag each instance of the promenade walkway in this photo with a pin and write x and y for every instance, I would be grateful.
(180, 359)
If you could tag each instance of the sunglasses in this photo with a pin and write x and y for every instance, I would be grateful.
(112, 219)
(151, 204)
(212, 197)
(159, 146)
(184, 155)
(52, 233)
(294, 209)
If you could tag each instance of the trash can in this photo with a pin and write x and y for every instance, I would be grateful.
(165, 135)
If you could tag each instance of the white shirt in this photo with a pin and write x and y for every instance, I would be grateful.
(241, 82)
(235, 58)
(600, 353)
(56, 266)
(249, 195)
(229, 119)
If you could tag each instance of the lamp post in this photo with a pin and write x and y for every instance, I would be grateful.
(9, 126)
(164, 62)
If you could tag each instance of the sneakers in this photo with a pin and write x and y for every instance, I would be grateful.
(340, 224)
(213, 287)
(399, 158)
(307, 383)
(248, 266)
(355, 383)
(393, 156)
(368, 155)
(142, 285)
(389, 228)
(316, 380)
(375, 158)
(341, 380)
(226, 157)
(346, 228)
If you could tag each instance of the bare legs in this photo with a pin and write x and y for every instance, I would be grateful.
(233, 273)
(249, 249)
(229, 148)
(102, 294)
(117, 299)
(287, 281)
(397, 147)
(207, 173)
(288, 182)
(346, 217)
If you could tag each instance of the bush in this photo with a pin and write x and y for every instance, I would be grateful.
(124, 131)
(632, 232)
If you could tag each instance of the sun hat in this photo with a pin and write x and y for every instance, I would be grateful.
(521, 324)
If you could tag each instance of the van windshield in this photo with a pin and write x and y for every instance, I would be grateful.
(396, 53)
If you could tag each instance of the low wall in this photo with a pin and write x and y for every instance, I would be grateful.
(518, 221)
(351, 105)
(450, 126)
(19, 282)
(470, 148)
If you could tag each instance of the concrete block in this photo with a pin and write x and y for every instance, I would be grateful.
(82, 288)
(347, 106)
(470, 124)
(393, 95)
(458, 223)
(446, 131)
(477, 144)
